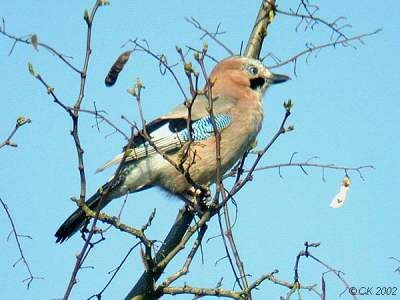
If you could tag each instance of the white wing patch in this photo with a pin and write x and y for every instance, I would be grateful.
(163, 139)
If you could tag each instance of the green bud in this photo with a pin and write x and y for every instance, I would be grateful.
(288, 105)
(86, 16)
(31, 70)
(22, 120)
(132, 91)
(188, 68)
(289, 128)
(197, 56)
(139, 85)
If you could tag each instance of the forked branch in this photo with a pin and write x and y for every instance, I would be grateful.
(21, 253)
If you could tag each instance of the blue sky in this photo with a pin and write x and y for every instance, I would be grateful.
(346, 112)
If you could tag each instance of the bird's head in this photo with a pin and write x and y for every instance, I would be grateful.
(239, 77)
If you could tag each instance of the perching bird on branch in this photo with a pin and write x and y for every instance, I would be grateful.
(238, 85)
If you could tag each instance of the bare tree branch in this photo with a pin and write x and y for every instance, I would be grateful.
(212, 35)
(145, 285)
(21, 253)
(315, 49)
(30, 40)
(20, 122)
(114, 273)
(304, 164)
(162, 60)
(98, 114)
(311, 19)
(74, 114)
(306, 253)
(228, 255)
(185, 268)
(201, 292)
(232, 243)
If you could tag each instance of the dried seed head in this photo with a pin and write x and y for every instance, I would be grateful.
(116, 68)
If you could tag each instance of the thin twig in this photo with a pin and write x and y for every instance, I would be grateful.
(217, 133)
(232, 243)
(185, 268)
(306, 253)
(51, 91)
(8, 142)
(115, 272)
(272, 278)
(28, 40)
(314, 165)
(104, 218)
(207, 55)
(21, 253)
(310, 48)
(396, 259)
(162, 61)
(115, 222)
(74, 115)
(228, 255)
(311, 16)
(97, 114)
(213, 35)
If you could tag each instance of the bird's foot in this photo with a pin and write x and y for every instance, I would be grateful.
(196, 198)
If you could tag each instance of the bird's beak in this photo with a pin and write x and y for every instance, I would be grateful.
(277, 78)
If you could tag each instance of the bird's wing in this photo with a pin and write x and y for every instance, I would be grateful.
(200, 108)
(169, 132)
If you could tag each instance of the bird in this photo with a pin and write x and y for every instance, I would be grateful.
(238, 84)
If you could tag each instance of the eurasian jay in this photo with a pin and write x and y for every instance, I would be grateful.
(238, 85)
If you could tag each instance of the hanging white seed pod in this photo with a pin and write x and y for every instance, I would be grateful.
(340, 197)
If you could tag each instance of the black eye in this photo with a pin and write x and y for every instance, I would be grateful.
(253, 70)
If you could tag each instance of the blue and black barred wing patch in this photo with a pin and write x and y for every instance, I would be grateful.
(169, 136)
(203, 128)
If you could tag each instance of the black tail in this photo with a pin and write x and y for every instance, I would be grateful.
(77, 219)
